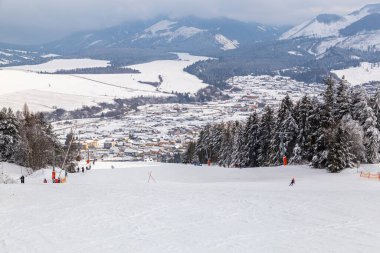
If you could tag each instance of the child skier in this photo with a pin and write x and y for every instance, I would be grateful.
(292, 182)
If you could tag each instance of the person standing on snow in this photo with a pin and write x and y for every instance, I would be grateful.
(293, 182)
(22, 179)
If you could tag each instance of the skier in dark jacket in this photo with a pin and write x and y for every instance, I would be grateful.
(22, 179)
(82, 169)
(292, 182)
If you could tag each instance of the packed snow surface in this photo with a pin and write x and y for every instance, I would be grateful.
(366, 72)
(192, 209)
(44, 92)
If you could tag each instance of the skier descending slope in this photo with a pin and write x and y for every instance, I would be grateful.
(292, 182)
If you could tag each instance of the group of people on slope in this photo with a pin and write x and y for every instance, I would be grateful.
(83, 169)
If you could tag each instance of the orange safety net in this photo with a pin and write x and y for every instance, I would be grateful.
(370, 175)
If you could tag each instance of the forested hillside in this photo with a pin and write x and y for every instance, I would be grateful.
(334, 133)
(27, 139)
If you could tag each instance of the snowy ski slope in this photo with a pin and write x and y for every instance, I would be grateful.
(192, 209)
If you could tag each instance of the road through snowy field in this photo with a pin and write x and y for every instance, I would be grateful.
(192, 209)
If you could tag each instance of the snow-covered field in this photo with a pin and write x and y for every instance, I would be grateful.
(365, 73)
(44, 92)
(62, 64)
(192, 209)
(174, 78)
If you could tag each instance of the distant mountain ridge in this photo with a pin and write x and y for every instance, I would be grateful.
(358, 30)
(306, 52)
(191, 34)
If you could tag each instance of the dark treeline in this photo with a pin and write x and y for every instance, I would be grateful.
(97, 70)
(121, 107)
(334, 133)
(28, 140)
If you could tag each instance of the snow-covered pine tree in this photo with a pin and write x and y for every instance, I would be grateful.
(251, 148)
(265, 134)
(355, 136)
(297, 155)
(328, 108)
(297, 111)
(342, 100)
(324, 132)
(202, 145)
(195, 159)
(237, 159)
(313, 123)
(227, 142)
(302, 116)
(245, 149)
(286, 129)
(208, 141)
(375, 104)
(37, 143)
(361, 108)
(367, 119)
(21, 154)
(290, 127)
(199, 146)
(9, 134)
(235, 128)
(338, 155)
(371, 139)
(216, 141)
(190, 153)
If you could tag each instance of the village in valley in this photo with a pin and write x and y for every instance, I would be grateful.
(161, 132)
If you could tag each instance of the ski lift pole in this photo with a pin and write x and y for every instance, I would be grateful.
(88, 156)
(208, 158)
(2, 167)
(67, 152)
(282, 147)
(1, 158)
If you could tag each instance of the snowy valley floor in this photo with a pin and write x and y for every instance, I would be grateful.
(192, 209)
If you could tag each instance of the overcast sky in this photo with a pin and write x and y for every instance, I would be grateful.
(26, 21)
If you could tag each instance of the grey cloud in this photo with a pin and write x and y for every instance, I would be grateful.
(54, 18)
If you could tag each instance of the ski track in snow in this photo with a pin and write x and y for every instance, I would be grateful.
(192, 209)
